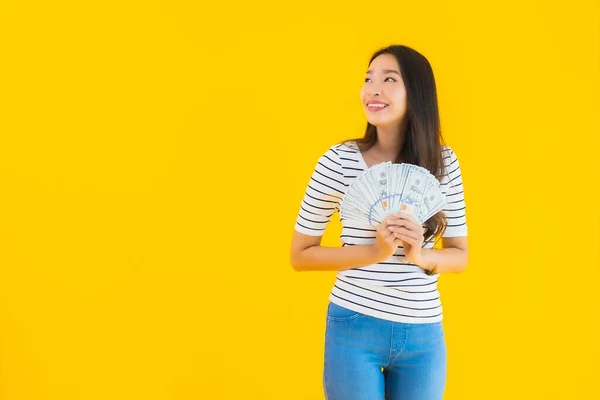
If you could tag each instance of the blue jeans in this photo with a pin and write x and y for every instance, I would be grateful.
(368, 358)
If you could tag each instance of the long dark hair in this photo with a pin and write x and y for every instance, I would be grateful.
(423, 142)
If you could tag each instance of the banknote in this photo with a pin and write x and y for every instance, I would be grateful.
(412, 194)
(378, 178)
(389, 187)
(370, 192)
(433, 201)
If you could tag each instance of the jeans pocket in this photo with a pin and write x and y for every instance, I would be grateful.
(340, 314)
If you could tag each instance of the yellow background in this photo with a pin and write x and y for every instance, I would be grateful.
(153, 156)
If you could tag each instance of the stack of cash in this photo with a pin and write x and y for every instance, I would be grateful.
(388, 188)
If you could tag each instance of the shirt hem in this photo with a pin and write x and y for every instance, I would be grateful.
(383, 315)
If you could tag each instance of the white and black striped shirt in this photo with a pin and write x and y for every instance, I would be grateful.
(394, 289)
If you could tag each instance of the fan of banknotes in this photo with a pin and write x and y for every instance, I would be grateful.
(388, 188)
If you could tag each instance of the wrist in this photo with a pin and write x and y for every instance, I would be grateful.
(427, 262)
(375, 253)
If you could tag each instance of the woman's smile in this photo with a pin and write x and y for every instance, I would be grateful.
(376, 106)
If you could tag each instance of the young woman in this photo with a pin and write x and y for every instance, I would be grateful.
(384, 335)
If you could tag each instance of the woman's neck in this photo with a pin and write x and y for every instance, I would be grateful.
(389, 141)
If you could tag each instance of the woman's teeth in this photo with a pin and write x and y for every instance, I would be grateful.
(377, 105)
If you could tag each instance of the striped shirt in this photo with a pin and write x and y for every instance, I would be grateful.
(394, 289)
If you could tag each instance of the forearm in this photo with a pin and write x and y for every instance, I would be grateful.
(443, 260)
(323, 258)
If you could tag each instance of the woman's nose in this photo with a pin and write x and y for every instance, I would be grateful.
(373, 90)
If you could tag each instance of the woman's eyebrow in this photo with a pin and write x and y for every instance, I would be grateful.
(385, 71)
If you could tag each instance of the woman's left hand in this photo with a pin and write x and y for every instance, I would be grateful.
(410, 231)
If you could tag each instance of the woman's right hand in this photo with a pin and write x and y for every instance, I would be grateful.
(385, 242)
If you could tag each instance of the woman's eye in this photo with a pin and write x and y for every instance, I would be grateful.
(393, 80)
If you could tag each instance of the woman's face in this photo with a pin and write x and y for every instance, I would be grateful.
(383, 95)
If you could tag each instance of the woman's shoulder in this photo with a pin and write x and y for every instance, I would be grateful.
(340, 149)
(446, 150)
(448, 155)
(347, 146)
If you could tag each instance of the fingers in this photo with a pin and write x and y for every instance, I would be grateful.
(406, 221)
(406, 239)
(396, 231)
(389, 237)
(404, 232)
(407, 230)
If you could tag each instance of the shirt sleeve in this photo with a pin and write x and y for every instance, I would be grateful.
(323, 195)
(455, 207)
